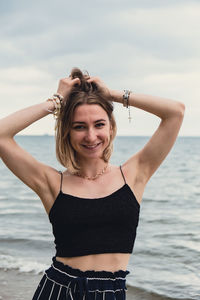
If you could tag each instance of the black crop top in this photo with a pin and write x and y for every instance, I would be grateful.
(83, 226)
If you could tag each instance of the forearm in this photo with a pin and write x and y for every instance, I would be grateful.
(16, 122)
(162, 107)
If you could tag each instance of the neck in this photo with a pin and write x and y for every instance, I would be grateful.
(91, 168)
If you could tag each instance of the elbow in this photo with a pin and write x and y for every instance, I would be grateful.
(180, 110)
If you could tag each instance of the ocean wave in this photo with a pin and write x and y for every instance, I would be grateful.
(34, 241)
(141, 293)
(17, 212)
(23, 265)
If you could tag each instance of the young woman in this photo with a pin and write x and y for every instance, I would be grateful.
(93, 206)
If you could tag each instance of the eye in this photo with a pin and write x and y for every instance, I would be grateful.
(99, 125)
(78, 127)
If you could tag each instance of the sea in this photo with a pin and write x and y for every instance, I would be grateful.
(166, 257)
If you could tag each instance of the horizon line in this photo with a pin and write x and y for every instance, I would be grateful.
(51, 135)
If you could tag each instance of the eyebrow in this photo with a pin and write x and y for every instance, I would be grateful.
(79, 122)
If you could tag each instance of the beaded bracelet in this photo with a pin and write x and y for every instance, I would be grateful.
(57, 101)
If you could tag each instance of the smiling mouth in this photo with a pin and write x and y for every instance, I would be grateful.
(91, 146)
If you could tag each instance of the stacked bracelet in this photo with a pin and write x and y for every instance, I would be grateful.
(126, 102)
(57, 101)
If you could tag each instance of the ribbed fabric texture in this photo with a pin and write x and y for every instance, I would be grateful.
(84, 226)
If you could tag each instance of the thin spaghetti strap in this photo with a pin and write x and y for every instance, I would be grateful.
(61, 180)
(122, 173)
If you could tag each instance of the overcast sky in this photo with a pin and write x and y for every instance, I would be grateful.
(150, 47)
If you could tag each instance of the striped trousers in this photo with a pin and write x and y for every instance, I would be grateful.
(62, 282)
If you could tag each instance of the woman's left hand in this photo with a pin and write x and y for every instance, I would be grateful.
(101, 86)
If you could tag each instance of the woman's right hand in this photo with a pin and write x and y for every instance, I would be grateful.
(65, 86)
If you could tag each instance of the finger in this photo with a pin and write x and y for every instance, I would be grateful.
(94, 79)
(76, 81)
(91, 79)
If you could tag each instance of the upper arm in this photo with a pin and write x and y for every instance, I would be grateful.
(149, 158)
(23, 165)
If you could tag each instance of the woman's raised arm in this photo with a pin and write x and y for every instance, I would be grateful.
(171, 113)
(20, 162)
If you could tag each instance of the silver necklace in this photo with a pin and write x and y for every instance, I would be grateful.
(92, 177)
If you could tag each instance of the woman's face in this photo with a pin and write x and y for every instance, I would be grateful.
(90, 132)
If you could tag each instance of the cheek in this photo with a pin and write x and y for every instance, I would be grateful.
(76, 138)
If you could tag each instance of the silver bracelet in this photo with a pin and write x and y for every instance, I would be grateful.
(126, 102)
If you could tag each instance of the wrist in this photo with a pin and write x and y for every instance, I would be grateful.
(122, 97)
(49, 105)
(56, 102)
(63, 93)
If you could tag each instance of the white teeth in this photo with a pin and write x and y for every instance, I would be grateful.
(91, 147)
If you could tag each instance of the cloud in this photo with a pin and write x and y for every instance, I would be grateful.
(24, 86)
(165, 31)
(148, 46)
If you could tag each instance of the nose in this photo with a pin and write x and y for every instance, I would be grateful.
(90, 135)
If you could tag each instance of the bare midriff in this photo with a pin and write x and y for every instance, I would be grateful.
(98, 262)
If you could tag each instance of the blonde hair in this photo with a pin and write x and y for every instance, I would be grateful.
(85, 93)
